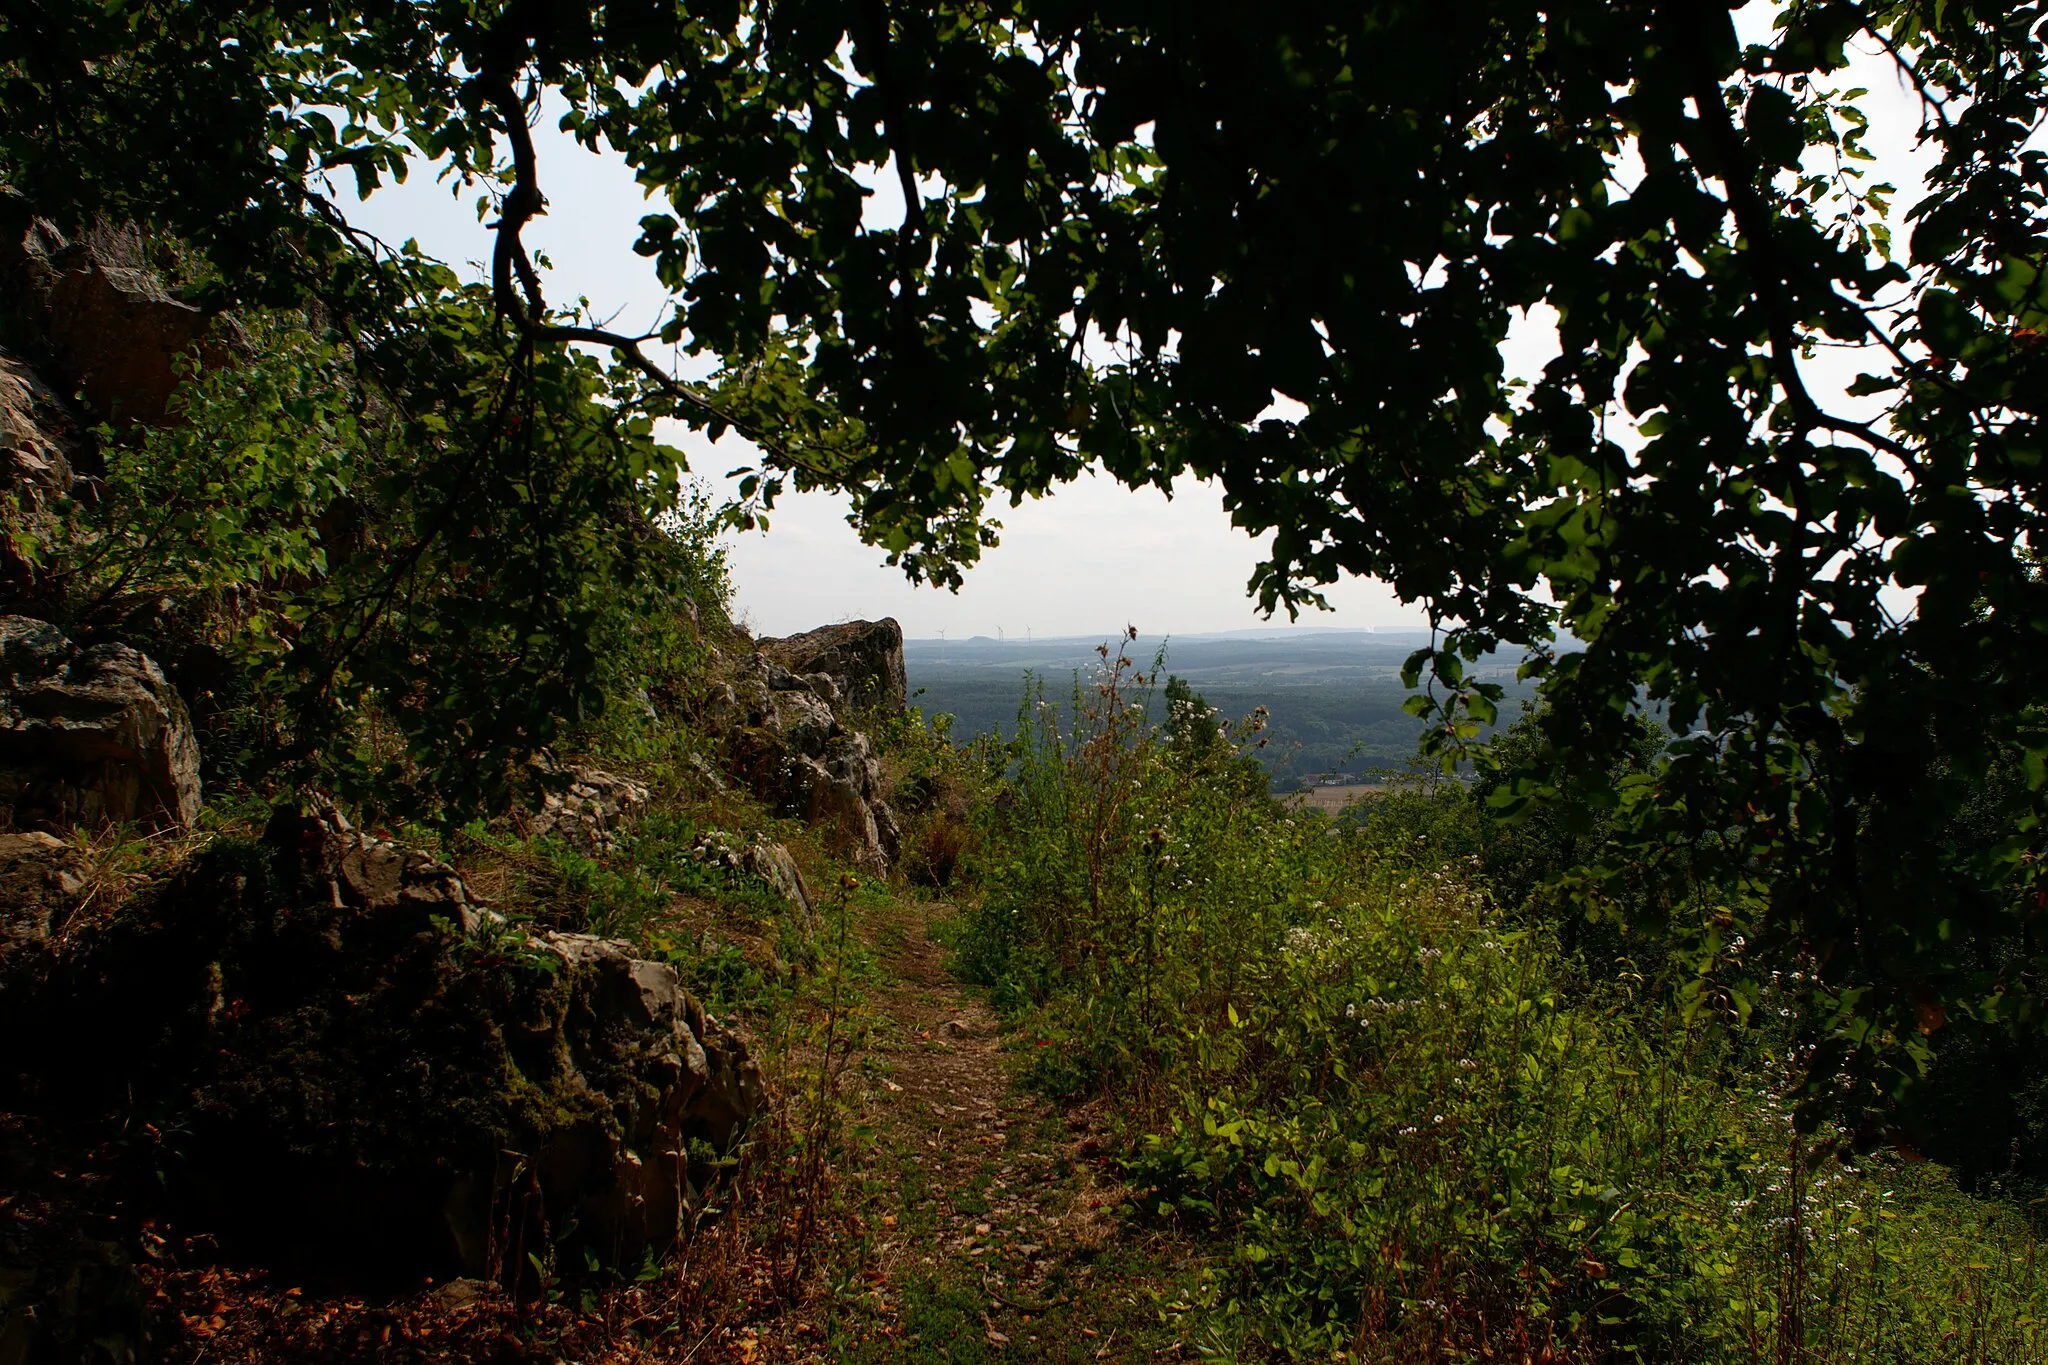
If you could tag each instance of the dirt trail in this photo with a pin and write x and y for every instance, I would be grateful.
(989, 1213)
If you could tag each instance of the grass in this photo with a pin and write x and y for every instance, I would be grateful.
(1411, 1125)
(1355, 1109)
(1118, 1308)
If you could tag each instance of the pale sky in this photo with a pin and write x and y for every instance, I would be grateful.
(1083, 561)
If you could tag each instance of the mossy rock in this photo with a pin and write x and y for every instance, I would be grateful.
(355, 1065)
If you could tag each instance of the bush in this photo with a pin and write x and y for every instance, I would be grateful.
(1415, 1123)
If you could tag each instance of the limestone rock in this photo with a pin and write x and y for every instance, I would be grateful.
(367, 1067)
(35, 472)
(789, 744)
(355, 870)
(115, 333)
(863, 658)
(89, 735)
(34, 432)
(40, 879)
(713, 780)
(773, 864)
(593, 809)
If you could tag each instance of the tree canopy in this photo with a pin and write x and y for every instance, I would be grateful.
(1132, 226)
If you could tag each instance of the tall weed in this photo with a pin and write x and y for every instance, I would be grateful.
(1420, 1127)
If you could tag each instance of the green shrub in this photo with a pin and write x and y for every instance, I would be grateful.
(1413, 1122)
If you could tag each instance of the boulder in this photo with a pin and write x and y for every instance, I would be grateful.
(366, 1067)
(89, 735)
(36, 441)
(40, 879)
(773, 864)
(591, 811)
(763, 695)
(110, 328)
(35, 433)
(863, 658)
(786, 741)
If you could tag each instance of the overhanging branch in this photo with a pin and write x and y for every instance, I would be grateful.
(516, 288)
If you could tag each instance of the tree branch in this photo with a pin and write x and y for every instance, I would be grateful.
(523, 203)
(1738, 171)
(525, 305)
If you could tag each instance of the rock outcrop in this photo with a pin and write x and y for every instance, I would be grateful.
(113, 332)
(366, 1067)
(864, 659)
(41, 877)
(789, 737)
(37, 437)
(90, 734)
(591, 811)
(773, 864)
(35, 432)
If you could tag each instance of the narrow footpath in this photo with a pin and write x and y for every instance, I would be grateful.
(990, 1216)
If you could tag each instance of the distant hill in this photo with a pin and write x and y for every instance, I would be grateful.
(1334, 695)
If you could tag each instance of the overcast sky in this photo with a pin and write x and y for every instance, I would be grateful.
(1086, 560)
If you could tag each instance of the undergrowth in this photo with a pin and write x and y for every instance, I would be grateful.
(1423, 1128)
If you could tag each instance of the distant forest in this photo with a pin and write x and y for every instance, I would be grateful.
(1334, 695)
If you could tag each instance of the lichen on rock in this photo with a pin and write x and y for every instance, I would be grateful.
(90, 734)
(366, 1066)
(789, 715)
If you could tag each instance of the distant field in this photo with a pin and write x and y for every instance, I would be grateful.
(1334, 697)
(1333, 800)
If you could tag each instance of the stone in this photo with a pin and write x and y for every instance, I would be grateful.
(35, 432)
(41, 877)
(592, 811)
(784, 713)
(459, 1293)
(838, 806)
(762, 695)
(365, 1067)
(863, 658)
(357, 870)
(90, 735)
(712, 780)
(36, 436)
(114, 332)
(773, 864)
